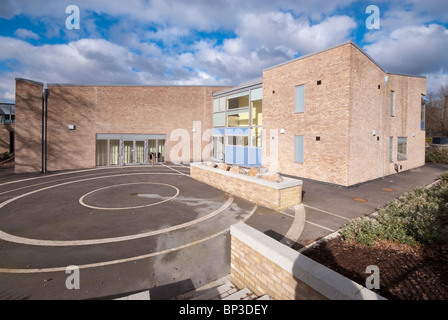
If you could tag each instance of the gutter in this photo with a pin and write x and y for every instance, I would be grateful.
(44, 129)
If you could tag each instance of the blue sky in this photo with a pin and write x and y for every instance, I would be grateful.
(209, 42)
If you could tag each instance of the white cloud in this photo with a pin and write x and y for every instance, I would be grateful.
(26, 34)
(412, 49)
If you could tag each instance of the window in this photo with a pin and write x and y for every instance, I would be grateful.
(300, 99)
(241, 141)
(219, 119)
(238, 118)
(424, 101)
(391, 149)
(218, 148)
(101, 152)
(257, 113)
(402, 149)
(298, 149)
(238, 100)
(256, 137)
(392, 102)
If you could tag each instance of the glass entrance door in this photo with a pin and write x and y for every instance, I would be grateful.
(156, 150)
(129, 149)
(128, 152)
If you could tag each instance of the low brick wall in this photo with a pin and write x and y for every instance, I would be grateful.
(274, 195)
(266, 266)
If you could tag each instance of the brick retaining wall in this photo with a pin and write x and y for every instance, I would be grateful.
(274, 195)
(266, 266)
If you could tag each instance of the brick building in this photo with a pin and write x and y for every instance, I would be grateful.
(334, 116)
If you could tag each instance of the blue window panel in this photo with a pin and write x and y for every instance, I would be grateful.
(298, 149)
(255, 156)
(237, 131)
(237, 155)
(218, 132)
(300, 99)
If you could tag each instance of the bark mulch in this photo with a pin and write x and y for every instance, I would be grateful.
(406, 272)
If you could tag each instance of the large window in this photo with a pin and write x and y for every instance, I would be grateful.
(402, 148)
(238, 100)
(241, 141)
(238, 118)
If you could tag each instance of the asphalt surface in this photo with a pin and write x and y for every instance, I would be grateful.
(127, 230)
(151, 228)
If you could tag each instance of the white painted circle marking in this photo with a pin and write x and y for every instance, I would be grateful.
(82, 202)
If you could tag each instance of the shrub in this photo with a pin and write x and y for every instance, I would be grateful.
(414, 218)
(436, 155)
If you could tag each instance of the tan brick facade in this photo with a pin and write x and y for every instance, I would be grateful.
(106, 109)
(28, 127)
(341, 114)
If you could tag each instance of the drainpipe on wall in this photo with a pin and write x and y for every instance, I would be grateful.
(44, 129)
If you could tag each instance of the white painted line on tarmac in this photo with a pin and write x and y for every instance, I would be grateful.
(175, 170)
(70, 243)
(320, 226)
(108, 263)
(81, 200)
(327, 212)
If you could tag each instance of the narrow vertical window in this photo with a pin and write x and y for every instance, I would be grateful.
(402, 148)
(391, 149)
(298, 149)
(424, 101)
(392, 103)
(300, 99)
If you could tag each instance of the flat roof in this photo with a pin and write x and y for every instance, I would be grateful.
(7, 108)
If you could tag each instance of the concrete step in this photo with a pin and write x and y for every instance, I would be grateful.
(217, 293)
(243, 294)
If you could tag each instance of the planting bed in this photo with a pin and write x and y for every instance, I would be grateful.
(406, 272)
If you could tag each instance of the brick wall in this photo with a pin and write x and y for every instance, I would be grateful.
(276, 199)
(342, 111)
(251, 269)
(28, 126)
(5, 130)
(326, 115)
(108, 109)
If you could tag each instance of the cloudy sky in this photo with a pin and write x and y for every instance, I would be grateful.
(191, 42)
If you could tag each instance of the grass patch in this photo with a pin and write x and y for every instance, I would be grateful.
(415, 218)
